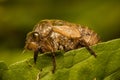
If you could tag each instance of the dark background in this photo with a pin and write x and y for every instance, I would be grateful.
(18, 17)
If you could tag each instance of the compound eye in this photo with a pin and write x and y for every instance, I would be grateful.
(36, 36)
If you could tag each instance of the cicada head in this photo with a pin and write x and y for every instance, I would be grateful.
(32, 41)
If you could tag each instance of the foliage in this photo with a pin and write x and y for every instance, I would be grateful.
(73, 65)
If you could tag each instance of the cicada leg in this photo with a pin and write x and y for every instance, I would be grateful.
(54, 62)
(85, 44)
(35, 56)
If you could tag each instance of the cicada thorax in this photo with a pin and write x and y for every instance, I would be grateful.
(60, 34)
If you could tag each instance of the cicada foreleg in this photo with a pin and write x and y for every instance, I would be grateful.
(35, 56)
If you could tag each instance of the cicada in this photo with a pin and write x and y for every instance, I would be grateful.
(53, 35)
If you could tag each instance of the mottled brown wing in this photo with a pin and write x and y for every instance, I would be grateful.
(68, 31)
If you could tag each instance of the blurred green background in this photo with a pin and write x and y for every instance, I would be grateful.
(18, 17)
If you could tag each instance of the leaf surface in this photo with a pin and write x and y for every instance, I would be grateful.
(73, 65)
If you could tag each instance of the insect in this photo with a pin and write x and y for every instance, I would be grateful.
(53, 35)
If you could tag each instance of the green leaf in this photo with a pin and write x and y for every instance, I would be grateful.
(73, 65)
(3, 67)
